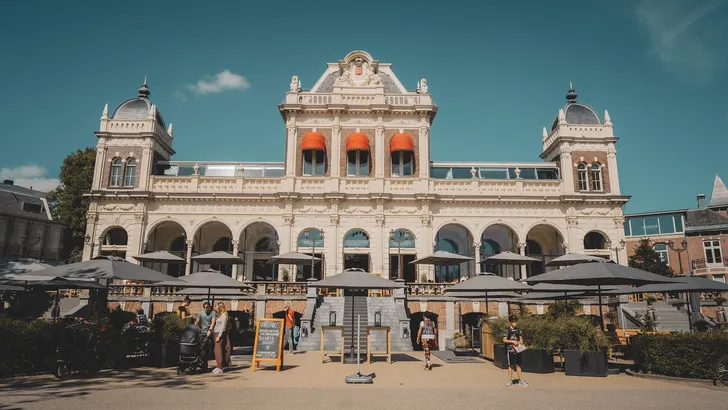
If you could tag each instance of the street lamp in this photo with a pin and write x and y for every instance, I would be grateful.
(616, 249)
(310, 235)
(684, 244)
(403, 236)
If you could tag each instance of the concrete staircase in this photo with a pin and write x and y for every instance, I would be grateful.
(390, 317)
(359, 308)
(332, 340)
(669, 318)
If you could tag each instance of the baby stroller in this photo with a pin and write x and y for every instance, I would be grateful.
(192, 350)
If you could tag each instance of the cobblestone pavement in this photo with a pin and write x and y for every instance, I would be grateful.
(306, 383)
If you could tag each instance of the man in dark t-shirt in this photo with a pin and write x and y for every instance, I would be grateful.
(514, 345)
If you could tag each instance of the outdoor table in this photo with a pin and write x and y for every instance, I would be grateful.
(323, 330)
(389, 345)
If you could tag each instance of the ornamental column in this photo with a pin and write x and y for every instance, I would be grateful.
(476, 246)
(613, 173)
(235, 243)
(522, 251)
(379, 151)
(335, 149)
(188, 258)
(567, 172)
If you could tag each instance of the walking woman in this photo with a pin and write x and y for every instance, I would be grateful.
(220, 337)
(426, 336)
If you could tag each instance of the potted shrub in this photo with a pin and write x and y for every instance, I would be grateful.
(584, 347)
(169, 329)
(462, 345)
(540, 336)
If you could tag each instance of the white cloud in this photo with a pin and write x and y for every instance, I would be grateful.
(222, 81)
(28, 176)
(684, 36)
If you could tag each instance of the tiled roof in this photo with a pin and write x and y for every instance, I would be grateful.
(327, 86)
(719, 196)
(702, 219)
(389, 86)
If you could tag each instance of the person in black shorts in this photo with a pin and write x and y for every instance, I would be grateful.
(514, 344)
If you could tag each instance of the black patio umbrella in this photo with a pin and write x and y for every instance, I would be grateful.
(599, 274)
(574, 259)
(487, 283)
(105, 267)
(10, 288)
(510, 258)
(687, 285)
(22, 266)
(554, 296)
(219, 257)
(356, 279)
(159, 257)
(207, 279)
(442, 258)
(294, 258)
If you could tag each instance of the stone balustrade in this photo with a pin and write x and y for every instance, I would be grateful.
(363, 99)
(426, 289)
(313, 185)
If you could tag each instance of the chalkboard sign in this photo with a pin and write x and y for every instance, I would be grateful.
(268, 342)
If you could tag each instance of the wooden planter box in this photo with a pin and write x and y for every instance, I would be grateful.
(500, 356)
(590, 363)
(537, 361)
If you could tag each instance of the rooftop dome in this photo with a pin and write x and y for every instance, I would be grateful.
(137, 108)
(577, 113)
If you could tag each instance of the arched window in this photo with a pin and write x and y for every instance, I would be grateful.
(533, 247)
(401, 238)
(116, 171)
(356, 238)
(595, 240)
(314, 154)
(402, 150)
(596, 176)
(661, 250)
(310, 238)
(116, 236)
(489, 247)
(129, 172)
(582, 178)
(357, 163)
(444, 274)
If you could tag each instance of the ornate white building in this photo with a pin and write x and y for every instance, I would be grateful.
(357, 168)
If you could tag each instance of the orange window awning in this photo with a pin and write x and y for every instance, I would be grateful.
(313, 140)
(401, 142)
(357, 141)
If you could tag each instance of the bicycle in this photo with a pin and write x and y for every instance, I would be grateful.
(89, 359)
(721, 370)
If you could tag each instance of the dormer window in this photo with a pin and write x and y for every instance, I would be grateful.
(34, 208)
(357, 155)
(314, 154)
(402, 150)
(117, 168)
(582, 177)
(596, 177)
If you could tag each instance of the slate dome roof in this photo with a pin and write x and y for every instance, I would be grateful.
(577, 113)
(137, 108)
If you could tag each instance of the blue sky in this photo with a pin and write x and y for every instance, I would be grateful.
(499, 72)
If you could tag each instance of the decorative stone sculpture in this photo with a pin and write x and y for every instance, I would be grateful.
(196, 169)
(423, 86)
(295, 84)
(518, 173)
(473, 172)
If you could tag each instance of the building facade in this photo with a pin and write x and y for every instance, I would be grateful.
(358, 187)
(690, 241)
(27, 228)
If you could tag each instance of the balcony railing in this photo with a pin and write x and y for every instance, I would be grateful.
(283, 288)
(427, 289)
(706, 267)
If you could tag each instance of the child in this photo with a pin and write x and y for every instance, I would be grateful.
(426, 335)
(514, 343)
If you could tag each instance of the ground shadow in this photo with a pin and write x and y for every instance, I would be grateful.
(401, 357)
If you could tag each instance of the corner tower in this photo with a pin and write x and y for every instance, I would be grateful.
(583, 146)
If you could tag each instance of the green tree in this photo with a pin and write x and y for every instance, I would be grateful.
(647, 259)
(67, 202)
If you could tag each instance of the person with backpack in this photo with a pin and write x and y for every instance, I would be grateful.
(427, 336)
(513, 340)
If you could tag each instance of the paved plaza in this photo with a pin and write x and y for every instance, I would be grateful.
(305, 383)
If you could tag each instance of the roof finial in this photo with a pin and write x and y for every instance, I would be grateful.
(571, 96)
(105, 114)
(607, 118)
(544, 133)
(144, 90)
(169, 129)
(571, 87)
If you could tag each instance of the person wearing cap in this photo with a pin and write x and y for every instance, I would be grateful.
(513, 340)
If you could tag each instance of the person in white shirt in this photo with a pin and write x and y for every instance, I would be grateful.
(219, 336)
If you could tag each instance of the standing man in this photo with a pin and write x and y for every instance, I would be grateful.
(514, 343)
(290, 322)
(205, 320)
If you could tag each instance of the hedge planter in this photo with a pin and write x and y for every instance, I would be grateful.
(537, 361)
(500, 357)
(170, 355)
(464, 351)
(590, 363)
